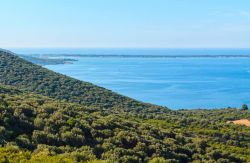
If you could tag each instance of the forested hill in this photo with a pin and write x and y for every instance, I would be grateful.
(34, 128)
(24, 75)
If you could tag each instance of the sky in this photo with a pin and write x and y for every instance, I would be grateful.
(125, 23)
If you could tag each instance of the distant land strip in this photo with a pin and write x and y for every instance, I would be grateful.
(48, 61)
(149, 56)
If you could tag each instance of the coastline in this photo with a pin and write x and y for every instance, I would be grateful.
(148, 56)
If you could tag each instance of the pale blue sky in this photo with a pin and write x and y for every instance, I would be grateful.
(125, 23)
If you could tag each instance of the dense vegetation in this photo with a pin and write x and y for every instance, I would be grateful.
(36, 128)
(43, 127)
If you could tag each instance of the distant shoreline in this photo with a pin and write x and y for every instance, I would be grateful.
(148, 56)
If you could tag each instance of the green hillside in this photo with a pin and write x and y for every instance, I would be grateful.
(27, 76)
(46, 129)
(49, 117)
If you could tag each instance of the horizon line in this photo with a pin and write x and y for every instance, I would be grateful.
(125, 47)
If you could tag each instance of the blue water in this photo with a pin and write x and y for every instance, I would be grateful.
(173, 82)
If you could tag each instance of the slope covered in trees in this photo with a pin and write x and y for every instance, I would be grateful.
(46, 129)
(17, 72)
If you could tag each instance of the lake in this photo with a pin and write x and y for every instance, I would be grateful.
(173, 82)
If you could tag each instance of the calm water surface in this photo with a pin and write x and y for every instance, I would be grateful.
(172, 82)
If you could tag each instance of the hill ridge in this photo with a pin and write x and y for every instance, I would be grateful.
(25, 75)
